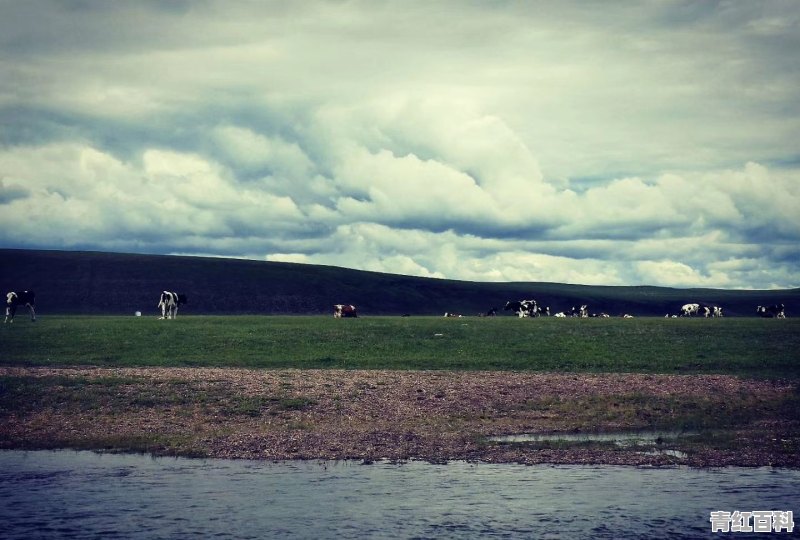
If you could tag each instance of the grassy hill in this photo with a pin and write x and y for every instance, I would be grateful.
(114, 283)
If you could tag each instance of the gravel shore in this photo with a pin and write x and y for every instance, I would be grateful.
(400, 415)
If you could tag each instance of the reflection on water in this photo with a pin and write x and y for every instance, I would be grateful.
(67, 494)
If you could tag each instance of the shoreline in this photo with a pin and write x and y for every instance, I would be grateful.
(371, 416)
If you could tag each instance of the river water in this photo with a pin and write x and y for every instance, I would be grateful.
(68, 494)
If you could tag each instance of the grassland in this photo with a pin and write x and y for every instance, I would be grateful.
(434, 388)
(749, 347)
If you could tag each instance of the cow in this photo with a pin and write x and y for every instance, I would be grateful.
(15, 299)
(560, 315)
(687, 310)
(716, 311)
(341, 311)
(581, 312)
(450, 314)
(778, 311)
(523, 308)
(169, 303)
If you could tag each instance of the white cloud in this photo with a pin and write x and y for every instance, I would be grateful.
(560, 141)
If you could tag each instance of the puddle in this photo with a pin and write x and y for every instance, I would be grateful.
(673, 453)
(620, 439)
(623, 438)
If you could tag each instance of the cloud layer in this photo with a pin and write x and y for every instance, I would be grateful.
(581, 143)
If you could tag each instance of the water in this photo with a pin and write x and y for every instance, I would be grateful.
(623, 438)
(651, 441)
(66, 494)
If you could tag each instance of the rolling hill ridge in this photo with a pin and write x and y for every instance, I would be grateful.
(83, 282)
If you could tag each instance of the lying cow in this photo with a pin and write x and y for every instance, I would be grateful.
(169, 303)
(344, 310)
(581, 312)
(15, 299)
(777, 311)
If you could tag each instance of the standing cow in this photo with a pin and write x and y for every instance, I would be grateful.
(344, 310)
(15, 299)
(169, 303)
(687, 310)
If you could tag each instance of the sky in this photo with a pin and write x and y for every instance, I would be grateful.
(590, 142)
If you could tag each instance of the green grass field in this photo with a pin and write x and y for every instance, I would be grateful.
(749, 347)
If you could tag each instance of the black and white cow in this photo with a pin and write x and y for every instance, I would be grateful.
(777, 311)
(169, 303)
(581, 312)
(523, 308)
(344, 310)
(687, 310)
(15, 299)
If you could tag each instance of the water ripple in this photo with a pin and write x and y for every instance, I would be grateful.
(86, 495)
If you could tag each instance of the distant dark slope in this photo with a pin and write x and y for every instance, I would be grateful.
(112, 283)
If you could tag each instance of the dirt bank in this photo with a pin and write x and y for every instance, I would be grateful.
(370, 415)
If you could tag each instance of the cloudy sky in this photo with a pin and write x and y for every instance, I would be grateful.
(615, 143)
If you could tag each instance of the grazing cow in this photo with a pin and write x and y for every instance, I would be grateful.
(15, 299)
(687, 310)
(777, 311)
(341, 311)
(716, 311)
(169, 303)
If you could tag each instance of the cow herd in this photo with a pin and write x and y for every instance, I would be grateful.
(703, 310)
(169, 302)
(531, 308)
